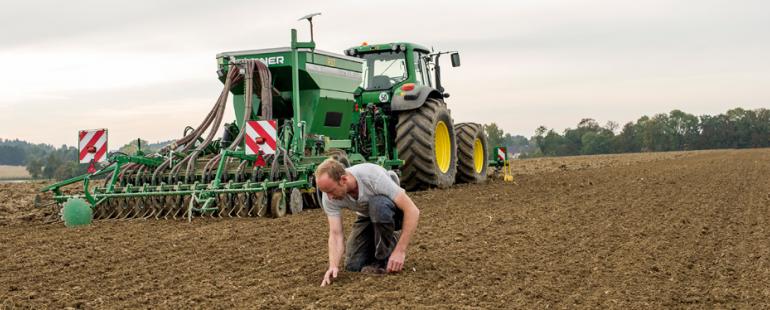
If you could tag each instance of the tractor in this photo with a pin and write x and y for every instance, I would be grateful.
(294, 107)
(403, 117)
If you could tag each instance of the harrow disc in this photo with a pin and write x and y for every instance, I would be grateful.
(135, 207)
(295, 201)
(157, 203)
(278, 204)
(242, 202)
(122, 209)
(147, 210)
(100, 210)
(224, 204)
(173, 205)
(181, 212)
(260, 204)
(110, 208)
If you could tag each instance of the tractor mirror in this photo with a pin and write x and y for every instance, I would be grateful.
(455, 59)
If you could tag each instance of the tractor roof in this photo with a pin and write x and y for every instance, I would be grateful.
(366, 48)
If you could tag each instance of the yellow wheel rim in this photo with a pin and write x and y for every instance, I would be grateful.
(442, 147)
(478, 155)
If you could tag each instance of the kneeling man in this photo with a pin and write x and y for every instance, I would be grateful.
(383, 208)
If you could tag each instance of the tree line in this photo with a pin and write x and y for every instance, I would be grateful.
(674, 131)
(48, 162)
(41, 160)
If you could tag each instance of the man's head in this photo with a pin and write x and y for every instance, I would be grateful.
(331, 178)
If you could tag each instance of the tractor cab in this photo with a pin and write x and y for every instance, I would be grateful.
(394, 69)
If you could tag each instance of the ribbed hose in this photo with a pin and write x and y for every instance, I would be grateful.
(214, 118)
(232, 78)
(139, 173)
(249, 102)
(188, 140)
(264, 88)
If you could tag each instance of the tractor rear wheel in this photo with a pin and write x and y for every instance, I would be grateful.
(471, 153)
(425, 139)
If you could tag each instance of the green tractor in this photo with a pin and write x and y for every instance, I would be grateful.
(294, 107)
(404, 116)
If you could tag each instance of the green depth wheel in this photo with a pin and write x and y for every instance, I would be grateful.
(76, 212)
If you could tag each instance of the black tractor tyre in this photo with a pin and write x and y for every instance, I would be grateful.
(416, 133)
(467, 152)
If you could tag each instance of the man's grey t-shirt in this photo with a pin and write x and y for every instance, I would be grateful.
(372, 180)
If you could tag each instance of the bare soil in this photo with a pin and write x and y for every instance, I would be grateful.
(687, 229)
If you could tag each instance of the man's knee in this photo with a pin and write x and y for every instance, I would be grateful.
(381, 209)
(354, 265)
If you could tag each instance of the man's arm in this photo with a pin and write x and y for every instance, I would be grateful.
(411, 217)
(336, 248)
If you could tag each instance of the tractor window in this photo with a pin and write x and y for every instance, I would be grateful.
(418, 75)
(383, 70)
(421, 71)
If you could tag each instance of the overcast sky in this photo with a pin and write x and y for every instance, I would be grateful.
(147, 68)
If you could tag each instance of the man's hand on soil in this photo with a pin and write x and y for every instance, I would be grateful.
(396, 261)
(331, 274)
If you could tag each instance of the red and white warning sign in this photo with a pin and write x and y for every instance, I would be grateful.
(261, 136)
(501, 153)
(92, 145)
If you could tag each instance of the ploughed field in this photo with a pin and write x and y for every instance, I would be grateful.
(686, 229)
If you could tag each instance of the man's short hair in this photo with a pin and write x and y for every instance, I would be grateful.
(331, 167)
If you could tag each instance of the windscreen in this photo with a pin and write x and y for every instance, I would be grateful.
(383, 70)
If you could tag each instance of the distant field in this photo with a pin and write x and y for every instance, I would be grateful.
(13, 173)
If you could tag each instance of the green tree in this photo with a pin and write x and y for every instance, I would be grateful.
(11, 155)
(628, 139)
(35, 166)
(539, 137)
(683, 130)
(677, 130)
(554, 145)
(494, 137)
(596, 142)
